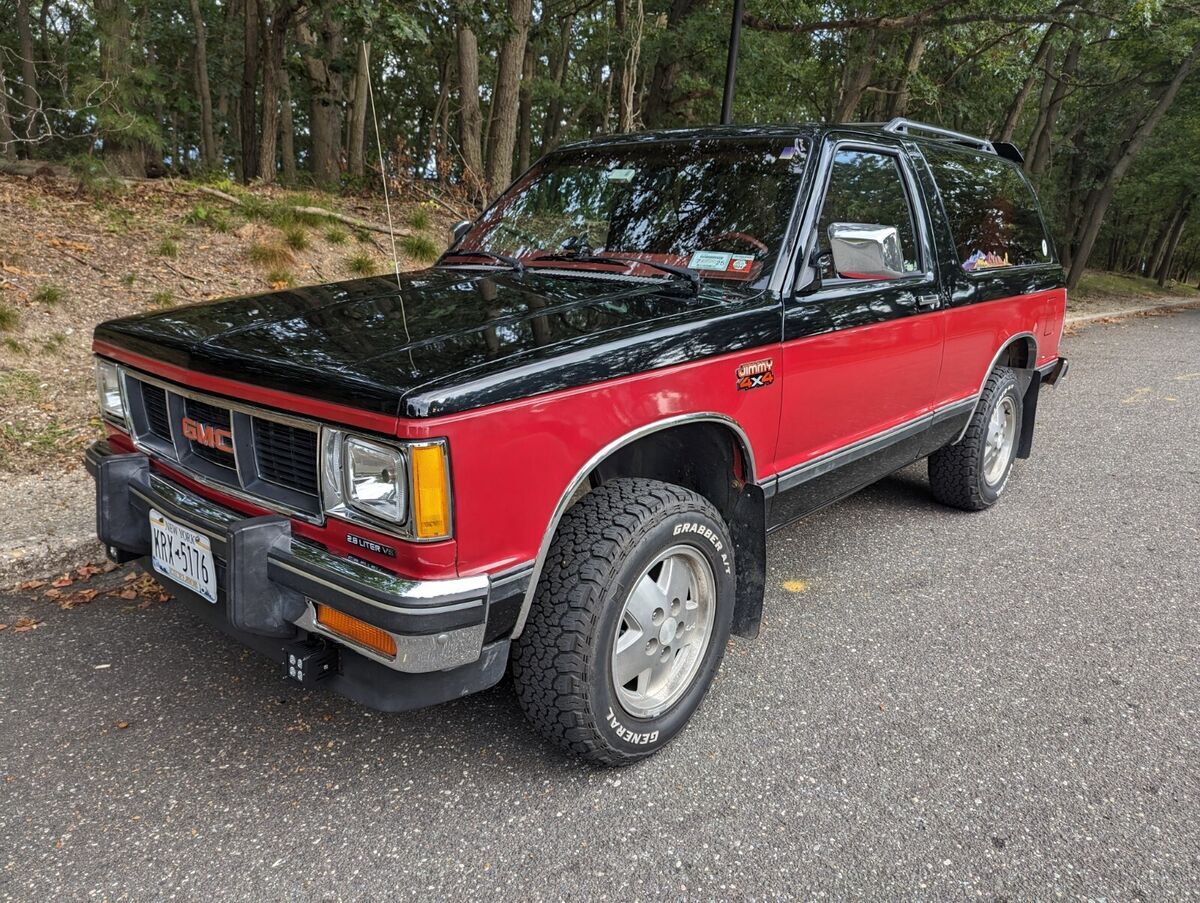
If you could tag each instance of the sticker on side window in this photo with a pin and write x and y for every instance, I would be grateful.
(620, 175)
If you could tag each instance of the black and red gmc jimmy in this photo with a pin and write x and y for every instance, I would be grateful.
(561, 448)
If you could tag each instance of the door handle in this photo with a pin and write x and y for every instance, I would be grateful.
(928, 300)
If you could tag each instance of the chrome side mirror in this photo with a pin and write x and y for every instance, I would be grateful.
(866, 251)
(458, 230)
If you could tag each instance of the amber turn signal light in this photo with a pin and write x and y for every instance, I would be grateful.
(356, 631)
(431, 492)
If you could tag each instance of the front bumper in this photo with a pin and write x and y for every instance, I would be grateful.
(269, 583)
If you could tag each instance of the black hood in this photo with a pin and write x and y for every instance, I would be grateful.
(442, 340)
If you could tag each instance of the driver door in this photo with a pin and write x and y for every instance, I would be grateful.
(862, 350)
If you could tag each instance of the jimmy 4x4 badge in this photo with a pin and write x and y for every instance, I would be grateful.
(755, 374)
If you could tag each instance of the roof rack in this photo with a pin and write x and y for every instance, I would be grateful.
(902, 126)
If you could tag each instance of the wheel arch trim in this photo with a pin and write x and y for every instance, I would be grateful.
(595, 460)
(1008, 343)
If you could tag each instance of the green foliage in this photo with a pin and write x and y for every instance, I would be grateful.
(168, 247)
(421, 248)
(48, 293)
(210, 217)
(162, 298)
(14, 345)
(336, 235)
(54, 342)
(361, 264)
(9, 318)
(128, 280)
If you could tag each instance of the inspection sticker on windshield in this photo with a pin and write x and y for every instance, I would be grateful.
(710, 260)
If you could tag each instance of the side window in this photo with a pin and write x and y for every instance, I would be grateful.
(992, 211)
(866, 190)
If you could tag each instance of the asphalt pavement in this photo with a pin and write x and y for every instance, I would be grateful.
(940, 706)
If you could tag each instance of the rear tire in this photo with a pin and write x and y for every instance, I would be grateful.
(629, 622)
(972, 473)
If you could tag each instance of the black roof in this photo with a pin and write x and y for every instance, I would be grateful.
(897, 129)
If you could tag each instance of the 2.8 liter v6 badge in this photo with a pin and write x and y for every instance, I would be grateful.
(755, 374)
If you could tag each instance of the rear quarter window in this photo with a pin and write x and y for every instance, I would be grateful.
(992, 211)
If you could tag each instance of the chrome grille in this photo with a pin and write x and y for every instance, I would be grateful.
(274, 457)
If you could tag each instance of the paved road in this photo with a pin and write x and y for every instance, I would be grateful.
(988, 706)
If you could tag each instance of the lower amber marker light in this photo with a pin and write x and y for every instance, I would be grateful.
(431, 494)
(356, 631)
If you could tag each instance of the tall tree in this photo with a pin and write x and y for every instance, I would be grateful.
(31, 107)
(248, 102)
(358, 109)
(502, 135)
(208, 143)
(470, 118)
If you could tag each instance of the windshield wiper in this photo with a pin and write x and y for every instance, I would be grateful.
(515, 265)
(683, 272)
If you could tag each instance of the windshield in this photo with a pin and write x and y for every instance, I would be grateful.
(719, 208)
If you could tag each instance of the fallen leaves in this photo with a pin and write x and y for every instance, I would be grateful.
(25, 624)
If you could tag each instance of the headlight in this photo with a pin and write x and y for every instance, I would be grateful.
(108, 386)
(376, 481)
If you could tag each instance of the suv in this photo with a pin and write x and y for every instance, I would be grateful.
(562, 446)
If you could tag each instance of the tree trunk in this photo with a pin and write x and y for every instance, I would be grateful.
(275, 18)
(660, 100)
(122, 155)
(441, 142)
(912, 62)
(470, 135)
(8, 140)
(525, 112)
(29, 90)
(248, 126)
(208, 144)
(1122, 158)
(1039, 160)
(287, 129)
(630, 30)
(1164, 238)
(856, 76)
(1017, 107)
(358, 113)
(1164, 269)
(321, 55)
(554, 110)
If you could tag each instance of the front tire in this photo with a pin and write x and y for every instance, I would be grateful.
(971, 473)
(629, 623)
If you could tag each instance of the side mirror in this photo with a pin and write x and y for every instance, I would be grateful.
(458, 230)
(866, 251)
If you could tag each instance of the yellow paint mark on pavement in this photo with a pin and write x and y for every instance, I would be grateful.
(795, 586)
(1186, 377)
(1138, 395)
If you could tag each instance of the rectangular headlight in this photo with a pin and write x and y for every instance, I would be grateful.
(376, 479)
(108, 386)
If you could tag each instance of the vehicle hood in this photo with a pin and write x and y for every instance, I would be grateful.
(430, 342)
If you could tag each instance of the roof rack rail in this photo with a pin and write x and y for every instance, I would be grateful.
(902, 126)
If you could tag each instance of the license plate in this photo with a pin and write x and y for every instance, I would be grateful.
(184, 555)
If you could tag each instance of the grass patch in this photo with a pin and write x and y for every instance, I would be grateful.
(420, 219)
(280, 279)
(254, 208)
(128, 280)
(361, 264)
(54, 341)
(39, 439)
(421, 248)
(9, 318)
(20, 385)
(1099, 284)
(163, 299)
(296, 237)
(168, 247)
(13, 345)
(49, 294)
(336, 235)
(269, 255)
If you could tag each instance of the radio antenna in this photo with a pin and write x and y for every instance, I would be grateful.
(387, 203)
